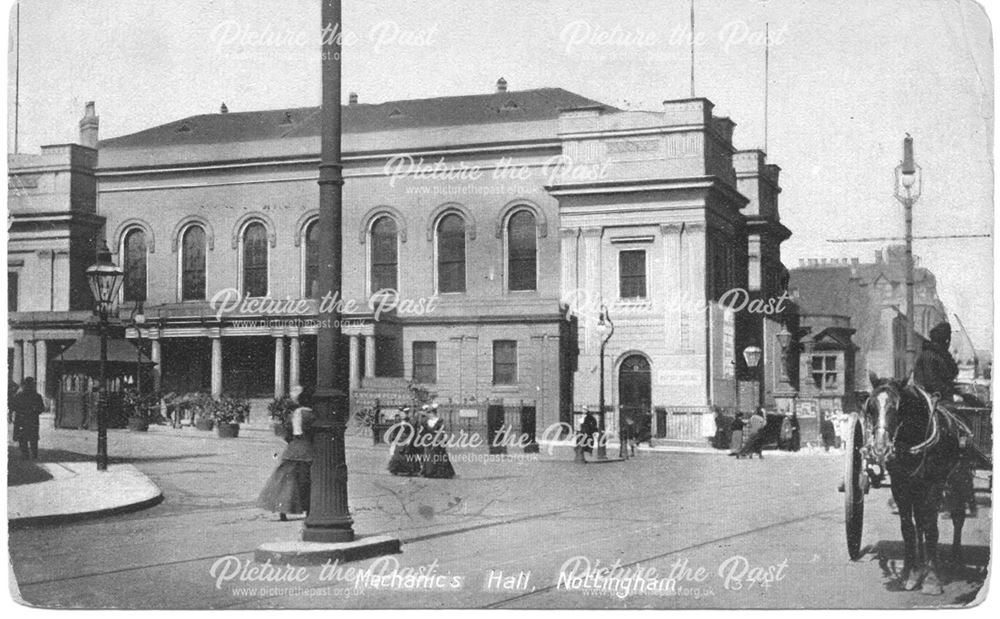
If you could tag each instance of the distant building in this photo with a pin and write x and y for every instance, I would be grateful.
(872, 295)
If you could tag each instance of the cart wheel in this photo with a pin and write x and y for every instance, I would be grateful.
(854, 494)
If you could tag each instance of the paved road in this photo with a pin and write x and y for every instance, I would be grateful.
(763, 533)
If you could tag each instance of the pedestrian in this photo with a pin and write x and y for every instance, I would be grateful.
(630, 435)
(287, 490)
(436, 463)
(588, 428)
(828, 433)
(12, 389)
(736, 435)
(27, 406)
(755, 434)
(404, 458)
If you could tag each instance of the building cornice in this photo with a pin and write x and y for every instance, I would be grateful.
(708, 183)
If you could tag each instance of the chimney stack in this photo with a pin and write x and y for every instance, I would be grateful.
(352, 98)
(88, 126)
(501, 85)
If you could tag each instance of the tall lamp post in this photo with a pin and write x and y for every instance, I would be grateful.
(329, 519)
(908, 186)
(785, 341)
(105, 279)
(606, 328)
(784, 338)
(752, 355)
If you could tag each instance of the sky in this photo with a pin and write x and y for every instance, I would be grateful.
(848, 79)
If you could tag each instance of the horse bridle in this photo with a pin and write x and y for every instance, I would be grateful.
(882, 447)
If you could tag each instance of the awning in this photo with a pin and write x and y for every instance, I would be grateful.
(88, 349)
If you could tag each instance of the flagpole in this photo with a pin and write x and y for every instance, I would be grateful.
(692, 49)
(767, 73)
(17, 72)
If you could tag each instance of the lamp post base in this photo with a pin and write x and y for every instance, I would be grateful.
(316, 553)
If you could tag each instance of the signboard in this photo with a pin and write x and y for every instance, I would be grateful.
(678, 377)
(468, 412)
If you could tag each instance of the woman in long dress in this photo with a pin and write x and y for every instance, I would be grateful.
(436, 463)
(405, 458)
(736, 435)
(287, 490)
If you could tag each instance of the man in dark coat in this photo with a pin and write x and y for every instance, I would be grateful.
(588, 429)
(935, 370)
(27, 406)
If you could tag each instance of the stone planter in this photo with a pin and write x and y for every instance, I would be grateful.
(204, 424)
(138, 424)
(228, 430)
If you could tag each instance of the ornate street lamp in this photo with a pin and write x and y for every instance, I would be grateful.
(605, 328)
(752, 355)
(105, 279)
(908, 187)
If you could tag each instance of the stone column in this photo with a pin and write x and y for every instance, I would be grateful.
(671, 235)
(29, 359)
(18, 369)
(41, 367)
(279, 364)
(293, 362)
(216, 337)
(355, 361)
(593, 284)
(370, 355)
(155, 354)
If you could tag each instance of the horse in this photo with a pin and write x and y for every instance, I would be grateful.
(921, 449)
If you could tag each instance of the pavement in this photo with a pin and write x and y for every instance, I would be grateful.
(63, 486)
(736, 534)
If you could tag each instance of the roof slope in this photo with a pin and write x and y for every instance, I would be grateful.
(497, 107)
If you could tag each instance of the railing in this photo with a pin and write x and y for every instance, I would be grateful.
(501, 426)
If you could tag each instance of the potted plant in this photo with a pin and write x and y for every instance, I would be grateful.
(280, 410)
(229, 412)
(140, 407)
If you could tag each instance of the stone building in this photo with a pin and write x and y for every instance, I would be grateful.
(482, 234)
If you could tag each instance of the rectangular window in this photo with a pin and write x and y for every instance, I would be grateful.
(632, 274)
(425, 362)
(12, 287)
(824, 372)
(504, 362)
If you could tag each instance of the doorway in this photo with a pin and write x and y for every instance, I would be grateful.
(635, 392)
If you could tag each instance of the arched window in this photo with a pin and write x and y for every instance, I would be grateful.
(385, 255)
(522, 245)
(311, 274)
(134, 265)
(255, 260)
(451, 253)
(193, 264)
